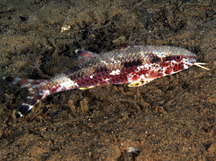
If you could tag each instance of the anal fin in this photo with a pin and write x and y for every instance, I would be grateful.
(84, 88)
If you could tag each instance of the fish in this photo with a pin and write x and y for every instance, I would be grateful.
(133, 65)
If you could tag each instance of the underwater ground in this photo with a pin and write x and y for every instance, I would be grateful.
(171, 118)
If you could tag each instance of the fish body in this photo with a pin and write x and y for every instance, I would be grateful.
(133, 65)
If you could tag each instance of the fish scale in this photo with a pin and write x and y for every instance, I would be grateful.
(134, 65)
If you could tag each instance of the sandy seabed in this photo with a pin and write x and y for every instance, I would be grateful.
(171, 118)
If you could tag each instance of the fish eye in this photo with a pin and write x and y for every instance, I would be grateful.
(178, 57)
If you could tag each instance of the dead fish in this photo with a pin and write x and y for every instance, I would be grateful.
(134, 65)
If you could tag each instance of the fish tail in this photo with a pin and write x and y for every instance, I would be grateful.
(34, 93)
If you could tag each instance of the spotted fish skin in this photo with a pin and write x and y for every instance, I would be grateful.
(134, 65)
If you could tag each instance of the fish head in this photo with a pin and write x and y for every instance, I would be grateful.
(179, 59)
(170, 60)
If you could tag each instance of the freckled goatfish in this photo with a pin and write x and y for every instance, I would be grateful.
(133, 65)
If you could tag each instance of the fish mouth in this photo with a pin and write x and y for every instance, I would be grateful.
(199, 64)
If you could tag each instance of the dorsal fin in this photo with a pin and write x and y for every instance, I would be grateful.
(84, 55)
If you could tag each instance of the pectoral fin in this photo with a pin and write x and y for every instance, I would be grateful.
(138, 83)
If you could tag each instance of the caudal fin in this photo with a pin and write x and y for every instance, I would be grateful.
(34, 94)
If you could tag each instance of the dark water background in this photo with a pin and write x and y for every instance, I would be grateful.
(172, 118)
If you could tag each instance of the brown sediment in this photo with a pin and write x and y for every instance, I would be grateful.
(172, 118)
